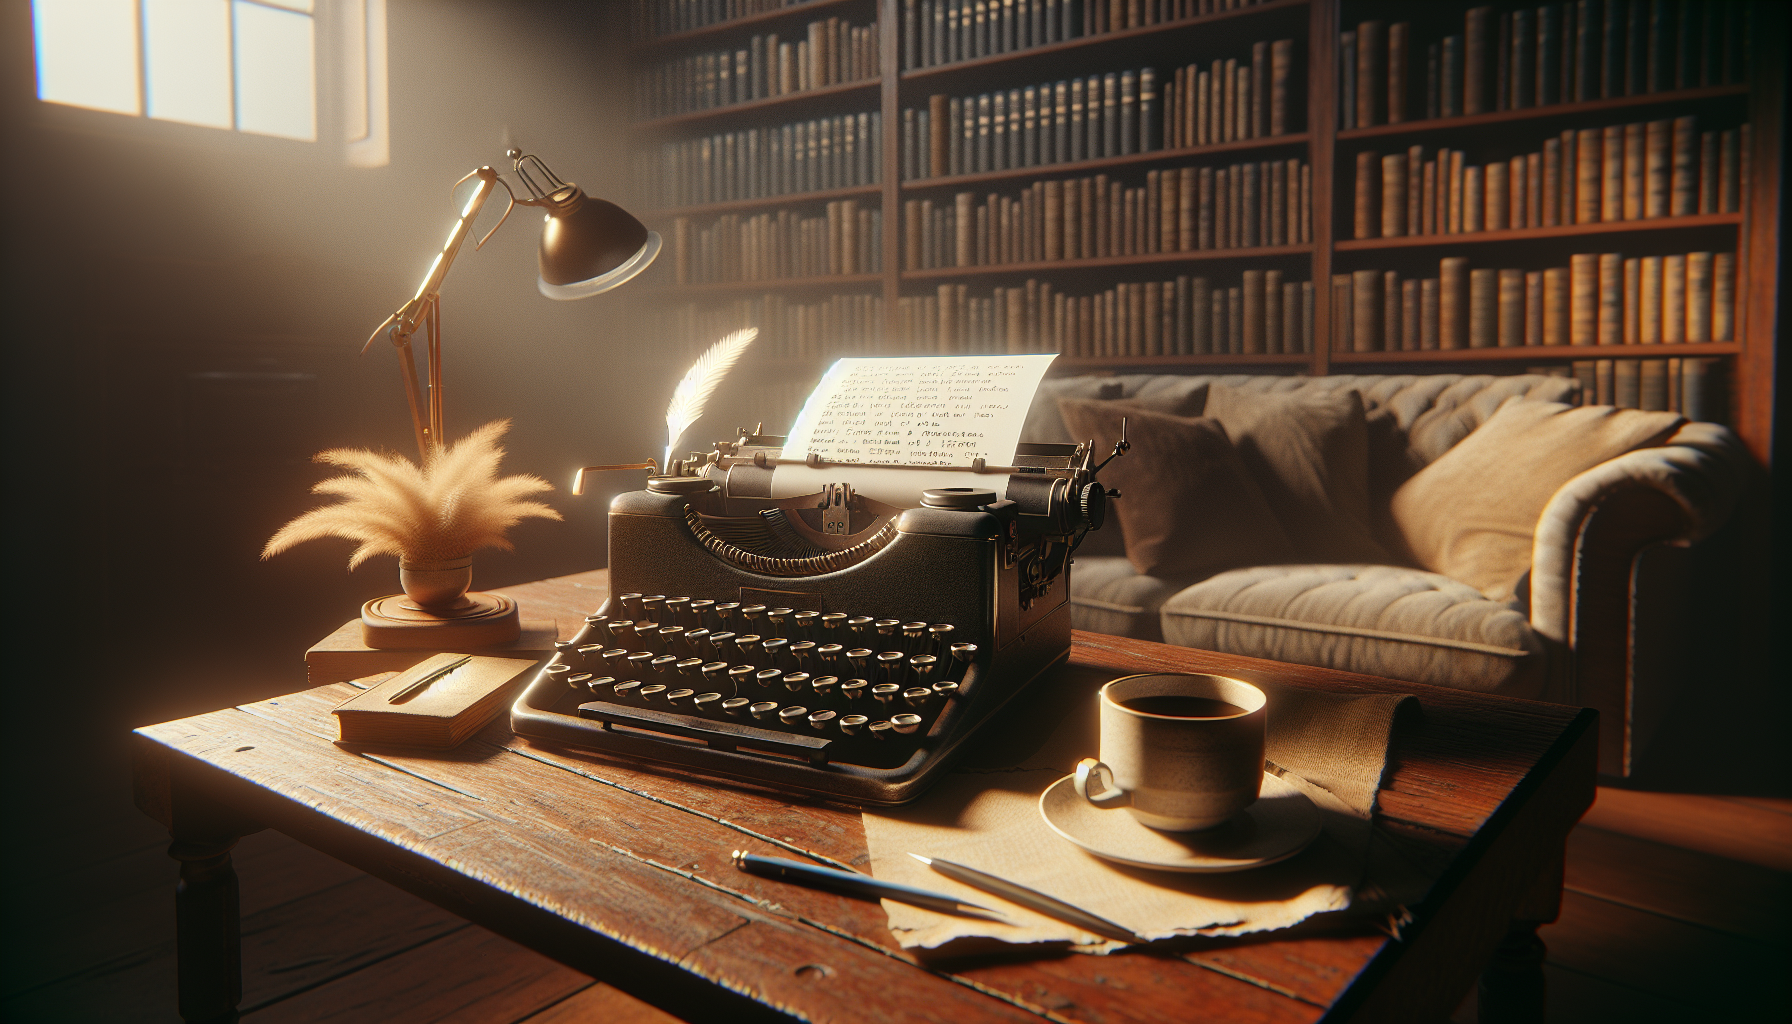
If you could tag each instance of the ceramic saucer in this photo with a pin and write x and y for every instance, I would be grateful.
(1279, 825)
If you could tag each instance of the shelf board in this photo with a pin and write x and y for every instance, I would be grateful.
(775, 284)
(1082, 168)
(1700, 220)
(1203, 359)
(1435, 124)
(793, 12)
(1070, 46)
(1547, 352)
(1139, 260)
(868, 86)
(787, 199)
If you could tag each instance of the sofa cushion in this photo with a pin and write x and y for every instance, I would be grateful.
(1379, 619)
(1107, 595)
(1187, 505)
(1471, 514)
(1309, 452)
(1177, 396)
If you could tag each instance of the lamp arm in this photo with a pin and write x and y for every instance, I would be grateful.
(411, 315)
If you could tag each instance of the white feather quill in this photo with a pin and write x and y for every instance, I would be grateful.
(699, 382)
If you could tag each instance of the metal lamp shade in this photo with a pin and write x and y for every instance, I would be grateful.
(592, 247)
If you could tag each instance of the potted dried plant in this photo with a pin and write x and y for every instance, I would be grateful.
(433, 516)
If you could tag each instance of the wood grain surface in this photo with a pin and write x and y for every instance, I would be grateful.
(621, 870)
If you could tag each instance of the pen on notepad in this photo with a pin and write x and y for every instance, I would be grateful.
(417, 687)
(1032, 899)
(853, 884)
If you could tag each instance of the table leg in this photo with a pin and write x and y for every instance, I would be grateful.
(1511, 990)
(208, 925)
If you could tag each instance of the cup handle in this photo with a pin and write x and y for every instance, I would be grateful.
(1095, 783)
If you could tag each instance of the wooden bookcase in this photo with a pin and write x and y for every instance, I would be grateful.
(1743, 368)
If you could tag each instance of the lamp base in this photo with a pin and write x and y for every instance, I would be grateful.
(480, 620)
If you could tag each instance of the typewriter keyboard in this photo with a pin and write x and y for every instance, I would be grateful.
(873, 685)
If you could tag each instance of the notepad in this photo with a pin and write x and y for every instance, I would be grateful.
(414, 709)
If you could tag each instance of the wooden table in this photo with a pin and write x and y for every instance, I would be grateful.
(622, 870)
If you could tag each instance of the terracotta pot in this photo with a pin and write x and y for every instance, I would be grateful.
(436, 585)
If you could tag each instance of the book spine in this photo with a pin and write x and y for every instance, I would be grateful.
(1452, 73)
(1110, 115)
(1347, 84)
(1368, 186)
(1583, 299)
(1636, 43)
(1657, 142)
(1611, 46)
(1281, 72)
(1496, 192)
(1509, 330)
(1453, 302)
(1399, 58)
(1612, 177)
(1729, 172)
(1723, 297)
(1698, 297)
(1474, 200)
(1430, 326)
(1410, 331)
(1673, 299)
(939, 130)
(1259, 106)
(1533, 307)
(1555, 306)
(1549, 55)
(1149, 139)
(1483, 308)
(1252, 312)
(1523, 76)
(1390, 311)
(1060, 149)
(1611, 298)
(1371, 41)
(1393, 195)
(1475, 70)
(1533, 190)
(1585, 41)
(1502, 61)
(1434, 80)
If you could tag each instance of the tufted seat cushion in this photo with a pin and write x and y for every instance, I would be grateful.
(1107, 595)
(1378, 619)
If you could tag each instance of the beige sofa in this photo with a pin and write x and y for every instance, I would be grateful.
(1597, 621)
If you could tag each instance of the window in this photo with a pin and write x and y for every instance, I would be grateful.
(262, 67)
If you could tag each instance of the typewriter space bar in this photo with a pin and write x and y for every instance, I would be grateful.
(721, 735)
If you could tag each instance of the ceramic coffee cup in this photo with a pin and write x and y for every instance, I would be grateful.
(1181, 752)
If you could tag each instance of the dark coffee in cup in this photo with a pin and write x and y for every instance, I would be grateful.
(1175, 705)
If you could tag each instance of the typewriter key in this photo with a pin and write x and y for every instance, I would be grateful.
(739, 676)
(652, 692)
(715, 673)
(828, 655)
(884, 693)
(793, 714)
(647, 638)
(879, 730)
(706, 703)
(680, 698)
(778, 617)
(768, 678)
(722, 643)
(620, 629)
(627, 689)
(593, 626)
(800, 652)
(861, 625)
(560, 672)
(631, 605)
(851, 724)
(887, 627)
(615, 659)
(833, 625)
(924, 667)
(698, 642)
(939, 639)
(652, 606)
(747, 648)
(725, 612)
(889, 667)
(662, 666)
(918, 696)
(914, 637)
(796, 682)
(690, 668)
(636, 664)
(672, 639)
(701, 610)
(751, 612)
(774, 648)
(588, 656)
(905, 724)
(854, 689)
(678, 610)
(803, 625)
(820, 719)
(963, 654)
(764, 709)
(946, 688)
(563, 650)
(735, 706)
(578, 680)
(859, 658)
(602, 685)
(824, 686)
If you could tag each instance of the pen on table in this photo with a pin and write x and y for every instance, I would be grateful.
(851, 883)
(416, 687)
(1032, 899)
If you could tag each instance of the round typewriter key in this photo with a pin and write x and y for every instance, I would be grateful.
(698, 642)
(578, 680)
(778, 617)
(560, 672)
(918, 696)
(796, 682)
(652, 606)
(925, 667)
(636, 663)
(587, 655)
(824, 685)
(616, 658)
(620, 630)
(859, 658)
(946, 688)
(680, 698)
(820, 719)
(715, 673)
(653, 691)
(763, 709)
(887, 627)
(831, 623)
(662, 665)
(939, 638)
(672, 639)
(774, 648)
(884, 693)
(905, 724)
(800, 652)
(803, 624)
(721, 642)
(690, 668)
(914, 637)
(854, 689)
(631, 605)
(751, 612)
(706, 703)
(879, 730)
(647, 638)
(678, 609)
(740, 675)
(725, 611)
(627, 689)
(829, 654)
(564, 648)
(745, 645)
(768, 678)
(851, 724)
(861, 625)
(593, 623)
(701, 608)
(602, 686)
(793, 714)
(735, 706)
(889, 666)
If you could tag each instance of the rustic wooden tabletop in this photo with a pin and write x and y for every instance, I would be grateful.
(622, 870)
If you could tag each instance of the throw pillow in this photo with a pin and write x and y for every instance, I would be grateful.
(1178, 396)
(1471, 514)
(1187, 505)
(1309, 452)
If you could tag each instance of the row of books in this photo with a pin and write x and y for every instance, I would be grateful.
(1619, 172)
(1530, 57)
(837, 325)
(1183, 316)
(664, 17)
(944, 31)
(848, 239)
(1600, 299)
(1230, 101)
(1028, 126)
(1175, 210)
(831, 52)
(754, 163)
(1688, 386)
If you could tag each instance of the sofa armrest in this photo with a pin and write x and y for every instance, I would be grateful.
(1595, 572)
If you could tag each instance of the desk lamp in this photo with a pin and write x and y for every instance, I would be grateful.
(588, 246)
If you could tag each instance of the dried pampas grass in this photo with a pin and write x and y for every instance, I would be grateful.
(452, 506)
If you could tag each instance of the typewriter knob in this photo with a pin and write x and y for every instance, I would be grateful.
(800, 652)
(663, 666)
(968, 499)
(631, 605)
(637, 662)
(889, 666)
(829, 654)
(945, 688)
(1094, 503)
(905, 724)
(924, 666)
(715, 672)
(887, 627)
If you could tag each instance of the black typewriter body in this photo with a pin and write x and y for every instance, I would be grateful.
(827, 645)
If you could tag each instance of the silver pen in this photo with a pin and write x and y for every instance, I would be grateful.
(851, 883)
(1032, 899)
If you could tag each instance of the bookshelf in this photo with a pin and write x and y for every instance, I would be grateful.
(1004, 278)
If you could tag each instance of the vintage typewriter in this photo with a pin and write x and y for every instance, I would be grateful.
(829, 644)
